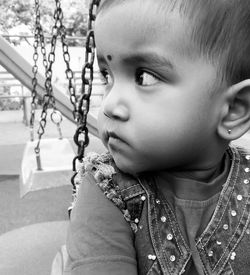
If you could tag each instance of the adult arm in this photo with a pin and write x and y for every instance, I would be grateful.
(99, 240)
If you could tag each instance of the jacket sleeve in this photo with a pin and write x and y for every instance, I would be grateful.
(99, 239)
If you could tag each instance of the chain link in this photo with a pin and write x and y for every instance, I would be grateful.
(35, 69)
(48, 98)
(69, 75)
(81, 137)
(81, 105)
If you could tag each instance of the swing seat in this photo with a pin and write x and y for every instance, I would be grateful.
(56, 160)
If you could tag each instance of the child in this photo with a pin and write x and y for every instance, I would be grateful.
(171, 196)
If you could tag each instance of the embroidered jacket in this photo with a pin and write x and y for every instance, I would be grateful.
(224, 246)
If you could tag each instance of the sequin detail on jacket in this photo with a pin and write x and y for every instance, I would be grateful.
(102, 167)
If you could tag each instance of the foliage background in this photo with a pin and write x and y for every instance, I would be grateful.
(17, 17)
(17, 26)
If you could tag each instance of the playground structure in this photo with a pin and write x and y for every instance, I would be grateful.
(33, 247)
(15, 64)
(17, 67)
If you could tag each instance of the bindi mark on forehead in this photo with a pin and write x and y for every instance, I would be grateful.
(109, 57)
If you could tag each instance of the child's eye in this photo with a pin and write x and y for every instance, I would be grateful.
(144, 78)
(105, 77)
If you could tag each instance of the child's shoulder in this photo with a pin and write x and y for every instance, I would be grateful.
(100, 166)
(120, 188)
(104, 170)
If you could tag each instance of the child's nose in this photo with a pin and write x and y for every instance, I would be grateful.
(115, 105)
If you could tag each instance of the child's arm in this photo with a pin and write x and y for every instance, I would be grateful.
(99, 240)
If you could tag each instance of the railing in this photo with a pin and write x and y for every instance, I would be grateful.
(23, 103)
(20, 68)
(8, 81)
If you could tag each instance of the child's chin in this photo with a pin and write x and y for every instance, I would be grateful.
(124, 165)
(127, 167)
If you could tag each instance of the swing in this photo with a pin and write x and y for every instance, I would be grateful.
(56, 169)
(40, 241)
(46, 163)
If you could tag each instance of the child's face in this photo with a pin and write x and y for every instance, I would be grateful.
(158, 111)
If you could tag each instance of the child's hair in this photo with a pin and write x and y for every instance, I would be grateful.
(220, 31)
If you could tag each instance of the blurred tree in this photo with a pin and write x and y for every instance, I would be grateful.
(17, 14)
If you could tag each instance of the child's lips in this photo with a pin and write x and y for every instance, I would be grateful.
(112, 136)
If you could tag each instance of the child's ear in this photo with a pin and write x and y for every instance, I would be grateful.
(235, 116)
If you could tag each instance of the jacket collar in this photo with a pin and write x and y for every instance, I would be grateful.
(226, 228)
(231, 217)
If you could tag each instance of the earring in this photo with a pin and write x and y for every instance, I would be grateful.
(229, 131)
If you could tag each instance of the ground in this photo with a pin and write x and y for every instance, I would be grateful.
(32, 228)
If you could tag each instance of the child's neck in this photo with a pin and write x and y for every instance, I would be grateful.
(203, 175)
(206, 172)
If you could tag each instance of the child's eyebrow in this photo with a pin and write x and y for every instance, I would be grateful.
(150, 58)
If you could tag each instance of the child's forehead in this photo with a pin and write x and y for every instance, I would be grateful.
(147, 28)
(213, 29)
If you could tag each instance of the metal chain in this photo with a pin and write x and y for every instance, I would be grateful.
(34, 70)
(69, 74)
(48, 97)
(38, 38)
(81, 137)
(81, 106)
